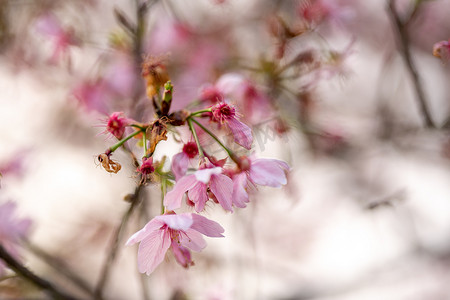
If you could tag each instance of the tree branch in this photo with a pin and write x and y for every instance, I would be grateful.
(404, 45)
(27, 274)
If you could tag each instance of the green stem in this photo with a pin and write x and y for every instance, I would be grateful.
(122, 141)
(230, 153)
(163, 193)
(200, 112)
(137, 126)
(194, 134)
(144, 141)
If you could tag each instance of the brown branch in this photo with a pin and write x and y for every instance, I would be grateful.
(403, 39)
(27, 274)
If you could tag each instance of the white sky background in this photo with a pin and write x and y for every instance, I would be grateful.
(318, 242)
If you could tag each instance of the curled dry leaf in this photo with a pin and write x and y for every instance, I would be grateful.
(156, 133)
(108, 164)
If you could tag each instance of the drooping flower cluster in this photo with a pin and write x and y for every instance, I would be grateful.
(210, 180)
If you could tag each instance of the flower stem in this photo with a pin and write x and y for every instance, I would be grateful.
(138, 127)
(163, 194)
(194, 134)
(230, 153)
(199, 112)
(144, 141)
(122, 141)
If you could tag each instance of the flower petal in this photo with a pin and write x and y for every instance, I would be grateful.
(182, 254)
(197, 194)
(222, 187)
(150, 227)
(268, 172)
(207, 227)
(180, 164)
(152, 251)
(204, 175)
(193, 240)
(241, 132)
(240, 195)
(173, 198)
(177, 222)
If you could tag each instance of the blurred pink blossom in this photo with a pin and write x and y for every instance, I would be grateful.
(93, 95)
(50, 26)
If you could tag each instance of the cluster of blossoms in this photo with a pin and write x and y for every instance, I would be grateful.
(228, 184)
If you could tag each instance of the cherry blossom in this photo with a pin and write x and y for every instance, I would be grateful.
(197, 185)
(260, 171)
(225, 113)
(177, 232)
(442, 50)
(180, 160)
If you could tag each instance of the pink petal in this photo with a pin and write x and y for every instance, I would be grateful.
(207, 227)
(182, 254)
(152, 251)
(222, 187)
(193, 240)
(241, 132)
(240, 195)
(173, 198)
(229, 83)
(48, 24)
(268, 172)
(204, 175)
(177, 222)
(154, 225)
(180, 164)
(197, 194)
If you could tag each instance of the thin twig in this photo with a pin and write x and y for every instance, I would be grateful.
(27, 274)
(402, 34)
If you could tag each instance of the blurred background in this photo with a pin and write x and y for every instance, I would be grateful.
(366, 211)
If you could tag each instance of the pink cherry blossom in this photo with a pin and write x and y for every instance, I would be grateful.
(442, 50)
(249, 98)
(225, 113)
(12, 230)
(180, 160)
(177, 232)
(116, 124)
(146, 169)
(260, 171)
(197, 185)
